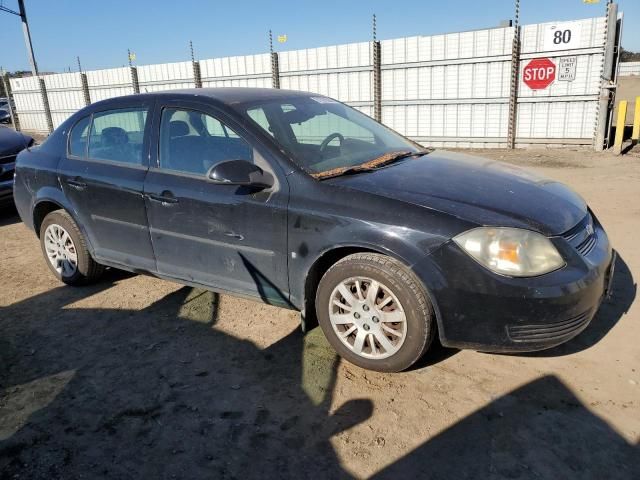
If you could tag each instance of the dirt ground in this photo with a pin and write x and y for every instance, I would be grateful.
(137, 377)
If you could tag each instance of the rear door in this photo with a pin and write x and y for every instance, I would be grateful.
(227, 237)
(103, 176)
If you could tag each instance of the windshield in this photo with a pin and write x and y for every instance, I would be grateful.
(321, 134)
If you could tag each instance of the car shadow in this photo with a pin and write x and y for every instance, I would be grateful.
(623, 294)
(435, 354)
(540, 430)
(161, 393)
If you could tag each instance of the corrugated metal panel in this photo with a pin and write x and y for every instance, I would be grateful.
(235, 66)
(447, 86)
(239, 82)
(64, 91)
(247, 71)
(166, 76)
(318, 70)
(28, 100)
(109, 83)
(556, 120)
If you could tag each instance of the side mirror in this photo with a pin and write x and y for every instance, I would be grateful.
(240, 172)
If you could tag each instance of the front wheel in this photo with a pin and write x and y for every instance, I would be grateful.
(375, 312)
(65, 250)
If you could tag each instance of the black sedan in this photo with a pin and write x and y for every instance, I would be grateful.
(11, 143)
(301, 201)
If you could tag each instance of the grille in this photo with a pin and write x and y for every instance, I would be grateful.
(582, 237)
(548, 331)
(585, 247)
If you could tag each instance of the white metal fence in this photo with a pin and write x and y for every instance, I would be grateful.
(629, 68)
(441, 90)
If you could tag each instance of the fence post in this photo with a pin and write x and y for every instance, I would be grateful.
(377, 75)
(515, 81)
(275, 64)
(197, 76)
(607, 99)
(134, 79)
(635, 134)
(620, 124)
(45, 104)
(7, 88)
(275, 70)
(85, 88)
(377, 82)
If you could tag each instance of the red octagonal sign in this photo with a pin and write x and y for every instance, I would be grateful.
(539, 73)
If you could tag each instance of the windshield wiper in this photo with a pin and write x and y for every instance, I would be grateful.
(371, 165)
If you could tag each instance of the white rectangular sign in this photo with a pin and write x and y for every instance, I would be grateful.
(562, 36)
(567, 69)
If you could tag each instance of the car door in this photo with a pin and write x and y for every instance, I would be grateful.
(227, 237)
(103, 174)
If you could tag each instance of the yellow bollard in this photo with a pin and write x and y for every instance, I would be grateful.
(622, 116)
(636, 122)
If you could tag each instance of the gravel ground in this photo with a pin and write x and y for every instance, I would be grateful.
(137, 377)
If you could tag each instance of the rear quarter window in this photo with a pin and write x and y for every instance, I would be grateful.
(78, 137)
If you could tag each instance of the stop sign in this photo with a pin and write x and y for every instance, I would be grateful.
(539, 73)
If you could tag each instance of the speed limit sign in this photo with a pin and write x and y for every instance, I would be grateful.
(562, 36)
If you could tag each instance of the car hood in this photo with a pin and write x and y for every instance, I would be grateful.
(475, 189)
(12, 142)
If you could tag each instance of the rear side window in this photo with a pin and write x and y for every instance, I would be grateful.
(78, 138)
(192, 142)
(118, 135)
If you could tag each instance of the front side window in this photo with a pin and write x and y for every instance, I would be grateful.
(321, 134)
(118, 135)
(78, 137)
(257, 115)
(193, 141)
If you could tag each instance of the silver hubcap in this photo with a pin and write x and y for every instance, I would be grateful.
(367, 317)
(61, 251)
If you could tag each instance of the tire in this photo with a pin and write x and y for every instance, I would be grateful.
(400, 294)
(86, 269)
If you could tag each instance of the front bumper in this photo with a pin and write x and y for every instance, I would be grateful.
(481, 310)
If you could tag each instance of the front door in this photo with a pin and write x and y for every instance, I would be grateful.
(103, 176)
(227, 237)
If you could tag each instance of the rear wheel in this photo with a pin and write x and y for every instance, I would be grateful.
(375, 312)
(65, 250)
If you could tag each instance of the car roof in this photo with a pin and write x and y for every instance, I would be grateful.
(231, 96)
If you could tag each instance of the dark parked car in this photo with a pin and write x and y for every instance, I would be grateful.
(5, 116)
(304, 202)
(11, 143)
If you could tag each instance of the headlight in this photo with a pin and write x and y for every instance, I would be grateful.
(511, 251)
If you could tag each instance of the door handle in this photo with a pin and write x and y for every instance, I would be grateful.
(166, 198)
(76, 183)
